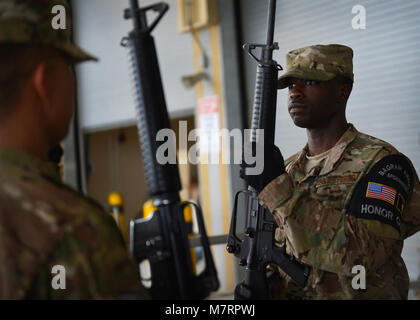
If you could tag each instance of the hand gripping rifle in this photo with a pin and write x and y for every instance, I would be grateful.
(258, 249)
(162, 237)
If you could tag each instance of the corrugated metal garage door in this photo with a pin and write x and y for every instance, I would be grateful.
(384, 102)
(105, 95)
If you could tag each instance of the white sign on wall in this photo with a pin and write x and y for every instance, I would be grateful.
(208, 112)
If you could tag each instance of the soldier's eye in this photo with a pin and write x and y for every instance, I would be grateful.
(310, 82)
(292, 85)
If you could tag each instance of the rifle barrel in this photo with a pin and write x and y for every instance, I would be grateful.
(271, 22)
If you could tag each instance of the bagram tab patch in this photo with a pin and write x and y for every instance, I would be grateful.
(381, 194)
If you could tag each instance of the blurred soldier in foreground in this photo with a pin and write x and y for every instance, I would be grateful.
(54, 243)
(417, 290)
(346, 202)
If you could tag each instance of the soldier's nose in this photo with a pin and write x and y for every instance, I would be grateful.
(295, 95)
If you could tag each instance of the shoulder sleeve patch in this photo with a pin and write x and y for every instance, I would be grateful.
(382, 193)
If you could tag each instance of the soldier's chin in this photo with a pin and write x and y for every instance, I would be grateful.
(301, 122)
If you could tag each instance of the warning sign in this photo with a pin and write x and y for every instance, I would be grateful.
(208, 111)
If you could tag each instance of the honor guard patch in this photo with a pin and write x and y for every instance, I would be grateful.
(380, 195)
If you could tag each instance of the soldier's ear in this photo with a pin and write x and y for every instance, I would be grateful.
(41, 83)
(344, 91)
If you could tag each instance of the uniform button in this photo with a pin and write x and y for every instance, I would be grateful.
(317, 216)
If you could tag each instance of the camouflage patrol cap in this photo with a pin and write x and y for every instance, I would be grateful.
(318, 62)
(31, 22)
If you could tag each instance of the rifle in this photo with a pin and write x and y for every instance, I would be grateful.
(258, 249)
(162, 237)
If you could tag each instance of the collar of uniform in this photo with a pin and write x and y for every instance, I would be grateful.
(29, 162)
(338, 149)
(333, 157)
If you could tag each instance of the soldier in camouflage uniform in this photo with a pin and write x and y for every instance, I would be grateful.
(43, 223)
(347, 200)
(417, 289)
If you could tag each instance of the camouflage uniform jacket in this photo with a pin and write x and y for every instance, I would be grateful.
(43, 223)
(332, 220)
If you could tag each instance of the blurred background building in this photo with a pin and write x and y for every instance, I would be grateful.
(206, 63)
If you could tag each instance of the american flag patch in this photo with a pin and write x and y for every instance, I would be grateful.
(379, 191)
